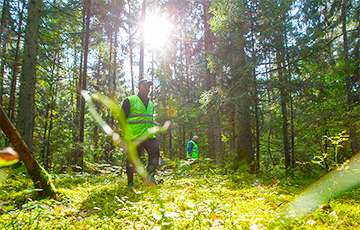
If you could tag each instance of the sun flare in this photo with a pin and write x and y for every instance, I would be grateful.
(157, 30)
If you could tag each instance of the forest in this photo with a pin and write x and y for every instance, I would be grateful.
(270, 87)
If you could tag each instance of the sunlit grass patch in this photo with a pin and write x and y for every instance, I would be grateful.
(204, 199)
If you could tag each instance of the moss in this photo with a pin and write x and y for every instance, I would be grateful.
(43, 182)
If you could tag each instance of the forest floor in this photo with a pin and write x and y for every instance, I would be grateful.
(192, 197)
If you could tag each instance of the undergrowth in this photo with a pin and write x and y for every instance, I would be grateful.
(198, 196)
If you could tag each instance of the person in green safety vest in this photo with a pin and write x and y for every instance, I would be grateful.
(139, 112)
(192, 149)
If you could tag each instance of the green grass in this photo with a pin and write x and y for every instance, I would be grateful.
(192, 197)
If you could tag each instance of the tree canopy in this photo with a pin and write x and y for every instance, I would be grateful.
(262, 83)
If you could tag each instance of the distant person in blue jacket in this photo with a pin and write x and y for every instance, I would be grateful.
(192, 149)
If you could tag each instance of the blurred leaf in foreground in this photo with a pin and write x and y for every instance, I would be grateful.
(8, 157)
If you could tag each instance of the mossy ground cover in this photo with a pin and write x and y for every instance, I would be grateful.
(192, 197)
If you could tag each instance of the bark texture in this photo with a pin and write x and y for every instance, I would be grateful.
(28, 73)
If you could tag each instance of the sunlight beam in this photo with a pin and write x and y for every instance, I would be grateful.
(331, 186)
(157, 30)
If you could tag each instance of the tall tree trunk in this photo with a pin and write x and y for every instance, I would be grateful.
(217, 134)
(269, 143)
(152, 71)
(283, 82)
(170, 140)
(292, 132)
(115, 60)
(142, 41)
(41, 179)
(11, 110)
(257, 123)
(208, 80)
(76, 103)
(4, 15)
(283, 99)
(348, 83)
(131, 65)
(95, 142)
(346, 55)
(214, 127)
(255, 90)
(47, 113)
(3, 43)
(183, 140)
(112, 94)
(326, 145)
(48, 158)
(96, 136)
(244, 137)
(28, 73)
(357, 55)
(131, 46)
(232, 121)
(270, 102)
(78, 82)
(111, 70)
(114, 72)
(80, 156)
(2, 68)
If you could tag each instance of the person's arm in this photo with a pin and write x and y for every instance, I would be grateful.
(126, 107)
(189, 148)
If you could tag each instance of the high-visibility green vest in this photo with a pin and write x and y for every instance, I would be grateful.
(194, 150)
(140, 119)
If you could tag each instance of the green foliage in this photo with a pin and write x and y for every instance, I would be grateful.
(16, 188)
(330, 160)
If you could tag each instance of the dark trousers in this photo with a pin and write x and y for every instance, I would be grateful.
(152, 148)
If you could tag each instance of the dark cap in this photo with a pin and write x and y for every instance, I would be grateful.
(144, 81)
